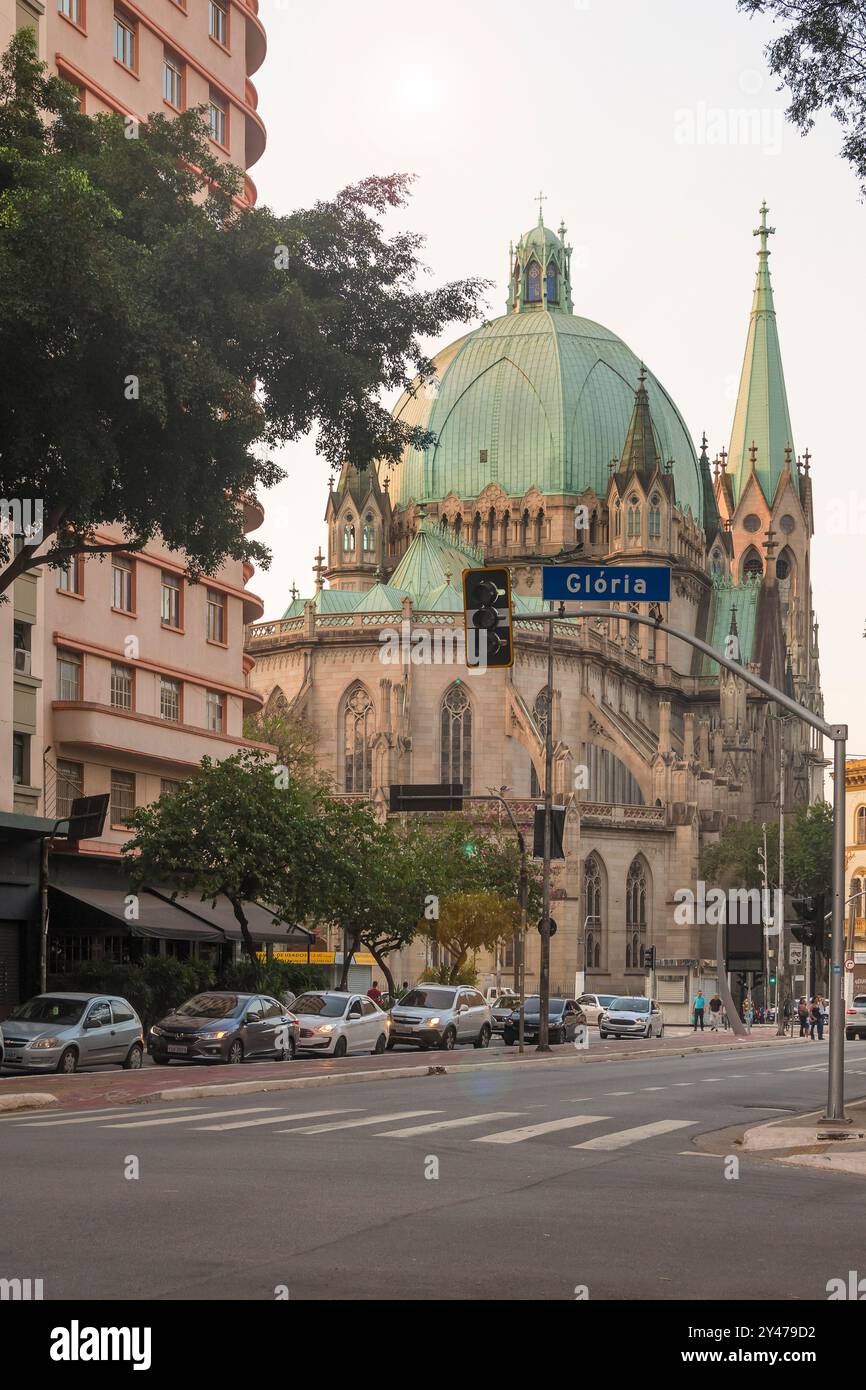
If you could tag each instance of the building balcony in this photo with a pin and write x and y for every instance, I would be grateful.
(257, 39)
(137, 740)
(256, 137)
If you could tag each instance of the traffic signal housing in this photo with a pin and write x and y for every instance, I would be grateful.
(648, 958)
(487, 614)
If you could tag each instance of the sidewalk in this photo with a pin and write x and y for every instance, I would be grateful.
(97, 1090)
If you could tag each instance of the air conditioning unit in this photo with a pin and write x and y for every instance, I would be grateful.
(22, 661)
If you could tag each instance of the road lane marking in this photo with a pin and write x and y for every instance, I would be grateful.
(814, 1066)
(279, 1119)
(684, 1083)
(187, 1119)
(354, 1124)
(412, 1130)
(622, 1138)
(619, 1093)
(101, 1117)
(655, 1088)
(516, 1136)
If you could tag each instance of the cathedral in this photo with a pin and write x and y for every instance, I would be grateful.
(538, 418)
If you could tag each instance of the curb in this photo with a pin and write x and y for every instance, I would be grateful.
(240, 1088)
(27, 1101)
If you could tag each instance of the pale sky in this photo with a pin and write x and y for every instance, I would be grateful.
(655, 131)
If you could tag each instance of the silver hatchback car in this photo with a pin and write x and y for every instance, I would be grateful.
(61, 1032)
(632, 1016)
(441, 1016)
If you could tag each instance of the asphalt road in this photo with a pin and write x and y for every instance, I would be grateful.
(550, 1178)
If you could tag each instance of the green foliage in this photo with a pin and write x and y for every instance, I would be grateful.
(318, 308)
(493, 867)
(466, 975)
(294, 738)
(820, 57)
(153, 988)
(273, 977)
(471, 922)
(733, 860)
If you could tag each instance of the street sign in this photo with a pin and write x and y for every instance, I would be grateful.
(849, 966)
(552, 925)
(795, 953)
(607, 583)
(426, 796)
(87, 816)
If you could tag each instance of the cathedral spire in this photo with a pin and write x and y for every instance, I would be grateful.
(640, 454)
(540, 269)
(761, 417)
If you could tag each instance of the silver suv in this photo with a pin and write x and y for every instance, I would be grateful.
(432, 1015)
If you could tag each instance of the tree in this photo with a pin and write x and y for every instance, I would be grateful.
(470, 922)
(294, 738)
(158, 335)
(821, 58)
(235, 831)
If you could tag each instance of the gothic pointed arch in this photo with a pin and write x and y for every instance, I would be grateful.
(356, 733)
(751, 564)
(594, 911)
(455, 735)
(638, 899)
(541, 715)
(277, 705)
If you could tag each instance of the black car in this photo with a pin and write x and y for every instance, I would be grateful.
(564, 1017)
(225, 1026)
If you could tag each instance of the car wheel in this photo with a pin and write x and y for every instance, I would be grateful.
(160, 1061)
(68, 1062)
(662, 1031)
(341, 1047)
(381, 1044)
(448, 1040)
(391, 1045)
(508, 1039)
(133, 1058)
(648, 1031)
(602, 1033)
(849, 1037)
(483, 1039)
(235, 1054)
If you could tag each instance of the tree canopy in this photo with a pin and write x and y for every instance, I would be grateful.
(159, 336)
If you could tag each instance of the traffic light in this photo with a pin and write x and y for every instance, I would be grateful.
(772, 979)
(648, 958)
(487, 614)
(806, 933)
(814, 931)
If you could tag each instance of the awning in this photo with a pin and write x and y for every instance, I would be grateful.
(156, 917)
(220, 917)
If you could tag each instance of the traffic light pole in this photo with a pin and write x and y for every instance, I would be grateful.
(839, 734)
(544, 967)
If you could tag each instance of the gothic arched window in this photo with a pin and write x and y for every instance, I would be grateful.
(633, 518)
(506, 528)
(552, 283)
(860, 826)
(476, 529)
(524, 529)
(654, 518)
(357, 741)
(635, 912)
(716, 566)
(533, 283)
(593, 912)
(617, 519)
(541, 714)
(752, 565)
(368, 535)
(349, 534)
(785, 564)
(456, 738)
(539, 527)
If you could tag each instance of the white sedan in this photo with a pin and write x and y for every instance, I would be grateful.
(594, 1005)
(334, 1023)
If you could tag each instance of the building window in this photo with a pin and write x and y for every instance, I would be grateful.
(68, 675)
(170, 598)
(552, 283)
(218, 21)
(860, 831)
(21, 759)
(168, 787)
(121, 580)
(541, 714)
(216, 616)
(369, 534)
(357, 746)
(121, 686)
(349, 535)
(216, 703)
(655, 518)
(217, 116)
(69, 785)
(72, 9)
(635, 913)
(533, 283)
(456, 736)
(172, 81)
(122, 797)
(716, 566)
(169, 699)
(124, 40)
(617, 520)
(592, 911)
(633, 518)
(70, 576)
(753, 565)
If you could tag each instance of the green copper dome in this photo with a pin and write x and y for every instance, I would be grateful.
(538, 398)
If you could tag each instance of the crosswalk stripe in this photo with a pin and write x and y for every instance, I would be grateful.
(100, 1119)
(814, 1066)
(620, 1139)
(354, 1124)
(278, 1119)
(516, 1136)
(464, 1120)
(655, 1088)
(619, 1093)
(188, 1119)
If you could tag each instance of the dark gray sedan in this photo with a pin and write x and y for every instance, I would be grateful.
(225, 1026)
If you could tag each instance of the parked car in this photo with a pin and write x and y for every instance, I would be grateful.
(224, 1026)
(632, 1016)
(855, 1018)
(1, 1047)
(334, 1022)
(594, 1005)
(434, 1015)
(62, 1032)
(493, 994)
(563, 1017)
(501, 1009)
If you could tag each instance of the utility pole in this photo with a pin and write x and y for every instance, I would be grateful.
(544, 968)
(782, 987)
(765, 900)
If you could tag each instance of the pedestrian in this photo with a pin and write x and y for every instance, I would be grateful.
(715, 1012)
(816, 1020)
(803, 1016)
(375, 993)
(748, 1013)
(698, 1007)
(788, 1012)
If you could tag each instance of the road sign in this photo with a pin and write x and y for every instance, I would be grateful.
(426, 796)
(849, 966)
(795, 953)
(87, 816)
(552, 925)
(607, 583)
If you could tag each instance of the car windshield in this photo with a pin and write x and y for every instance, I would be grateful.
(321, 1005)
(211, 1006)
(507, 1001)
(605, 1000)
(428, 999)
(632, 1006)
(44, 1009)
